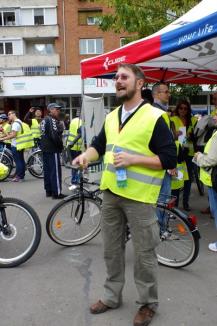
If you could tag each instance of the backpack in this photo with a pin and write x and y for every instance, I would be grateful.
(203, 130)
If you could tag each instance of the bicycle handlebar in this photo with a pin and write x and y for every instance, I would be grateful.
(78, 167)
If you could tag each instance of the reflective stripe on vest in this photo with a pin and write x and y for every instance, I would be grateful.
(205, 176)
(24, 138)
(143, 184)
(35, 129)
(74, 125)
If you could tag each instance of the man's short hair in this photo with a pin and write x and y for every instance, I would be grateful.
(14, 112)
(138, 72)
(156, 87)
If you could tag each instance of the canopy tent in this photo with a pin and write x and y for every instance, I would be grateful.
(183, 52)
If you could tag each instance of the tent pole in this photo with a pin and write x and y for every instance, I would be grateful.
(82, 116)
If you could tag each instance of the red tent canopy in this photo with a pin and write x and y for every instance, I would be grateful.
(183, 52)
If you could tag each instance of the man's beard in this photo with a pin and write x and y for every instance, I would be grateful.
(126, 97)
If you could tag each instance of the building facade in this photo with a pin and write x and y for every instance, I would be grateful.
(41, 45)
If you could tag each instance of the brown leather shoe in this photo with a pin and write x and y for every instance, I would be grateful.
(99, 308)
(144, 316)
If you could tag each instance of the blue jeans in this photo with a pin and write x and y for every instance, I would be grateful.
(213, 203)
(75, 173)
(19, 161)
(165, 192)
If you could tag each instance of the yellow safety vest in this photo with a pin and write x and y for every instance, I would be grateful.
(178, 124)
(35, 129)
(74, 125)
(143, 183)
(7, 129)
(205, 176)
(182, 167)
(214, 112)
(24, 137)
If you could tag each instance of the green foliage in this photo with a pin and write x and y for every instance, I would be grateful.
(185, 91)
(142, 17)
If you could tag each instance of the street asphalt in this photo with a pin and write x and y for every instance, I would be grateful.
(57, 285)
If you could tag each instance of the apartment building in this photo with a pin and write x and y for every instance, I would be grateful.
(41, 45)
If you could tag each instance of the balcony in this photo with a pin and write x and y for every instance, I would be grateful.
(17, 61)
(31, 32)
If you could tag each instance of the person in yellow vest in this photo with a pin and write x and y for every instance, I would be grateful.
(181, 174)
(5, 128)
(21, 139)
(184, 123)
(134, 166)
(75, 150)
(206, 161)
(33, 118)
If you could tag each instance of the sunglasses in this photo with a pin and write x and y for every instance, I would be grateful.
(120, 76)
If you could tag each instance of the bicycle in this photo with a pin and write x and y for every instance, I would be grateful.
(34, 162)
(20, 232)
(76, 220)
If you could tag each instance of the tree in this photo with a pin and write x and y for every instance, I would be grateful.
(142, 17)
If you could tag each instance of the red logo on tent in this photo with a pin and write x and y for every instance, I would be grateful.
(109, 62)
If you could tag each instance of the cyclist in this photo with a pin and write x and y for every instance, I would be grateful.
(185, 122)
(34, 118)
(206, 161)
(52, 146)
(21, 139)
(75, 150)
(5, 128)
(130, 141)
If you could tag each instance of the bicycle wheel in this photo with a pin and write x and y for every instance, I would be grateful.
(179, 246)
(35, 164)
(21, 237)
(73, 222)
(5, 159)
(13, 165)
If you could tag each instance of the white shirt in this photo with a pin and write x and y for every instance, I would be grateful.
(15, 127)
(125, 114)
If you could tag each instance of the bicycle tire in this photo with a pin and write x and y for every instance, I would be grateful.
(13, 165)
(21, 244)
(62, 226)
(181, 247)
(35, 164)
(5, 159)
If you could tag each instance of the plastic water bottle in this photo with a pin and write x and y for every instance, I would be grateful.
(121, 174)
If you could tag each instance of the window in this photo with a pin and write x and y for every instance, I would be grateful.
(7, 18)
(123, 41)
(6, 48)
(89, 17)
(91, 46)
(40, 48)
(38, 16)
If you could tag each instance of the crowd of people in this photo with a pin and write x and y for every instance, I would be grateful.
(157, 149)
